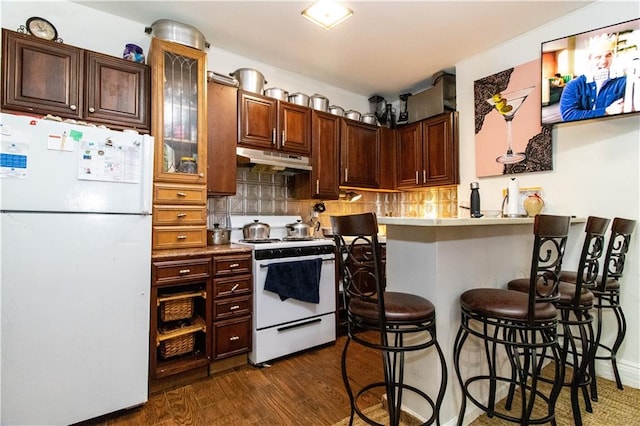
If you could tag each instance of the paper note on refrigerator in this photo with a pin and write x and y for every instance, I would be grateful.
(14, 160)
(110, 161)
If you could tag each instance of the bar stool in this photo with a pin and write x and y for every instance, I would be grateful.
(391, 322)
(525, 325)
(574, 305)
(607, 294)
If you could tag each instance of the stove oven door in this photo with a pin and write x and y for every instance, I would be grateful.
(270, 311)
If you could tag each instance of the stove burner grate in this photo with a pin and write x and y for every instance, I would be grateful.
(262, 241)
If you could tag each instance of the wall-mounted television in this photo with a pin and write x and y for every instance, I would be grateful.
(590, 75)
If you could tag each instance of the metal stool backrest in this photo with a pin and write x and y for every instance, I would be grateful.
(550, 240)
(592, 251)
(619, 239)
(359, 258)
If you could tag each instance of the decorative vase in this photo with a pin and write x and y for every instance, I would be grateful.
(533, 204)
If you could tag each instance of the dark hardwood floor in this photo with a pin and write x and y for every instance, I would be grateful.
(304, 389)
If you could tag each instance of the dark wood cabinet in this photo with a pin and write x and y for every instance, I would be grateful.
(117, 92)
(267, 123)
(427, 152)
(222, 114)
(44, 77)
(323, 182)
(387, 158)
(232, 305)
(180, 312)
(359, 155)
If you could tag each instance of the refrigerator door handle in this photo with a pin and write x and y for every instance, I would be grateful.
(147, 177)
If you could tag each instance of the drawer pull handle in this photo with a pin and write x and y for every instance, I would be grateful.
(92, 109)
(234, 307)
(181, 194)
(184, 271)
(181, 237)
(181, 215)
(234, 265)
(234, 288)
(234, 338)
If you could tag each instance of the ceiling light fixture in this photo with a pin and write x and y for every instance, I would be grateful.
(327, 13)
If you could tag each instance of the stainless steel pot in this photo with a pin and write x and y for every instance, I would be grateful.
(369, 119)
(167, 29)
(274, 92)
(250, 80)
(299, 230)
(353, 115)
(336, 110)
(218, 236)
(319, 103)
(299, 99)
(256, 231)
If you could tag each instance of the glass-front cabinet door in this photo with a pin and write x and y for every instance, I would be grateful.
(178, 104)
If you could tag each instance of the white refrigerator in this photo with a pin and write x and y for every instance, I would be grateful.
(75, 231)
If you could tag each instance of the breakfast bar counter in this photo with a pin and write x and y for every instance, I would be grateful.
(441, 258)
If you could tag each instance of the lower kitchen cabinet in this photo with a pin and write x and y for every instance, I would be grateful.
(180, 314)
(232, 305)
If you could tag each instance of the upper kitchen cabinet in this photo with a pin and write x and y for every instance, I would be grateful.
(267, 123)
(387, 158)
(359, 155)
(323, 182)
(117, 91)
(44, 77)
(179, 94)
(427, 152)
(222, 116)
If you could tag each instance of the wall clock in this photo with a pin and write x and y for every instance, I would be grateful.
(41, 28)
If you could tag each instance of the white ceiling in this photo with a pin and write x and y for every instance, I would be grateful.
(385, 48)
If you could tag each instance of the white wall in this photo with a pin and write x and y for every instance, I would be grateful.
(595, 163)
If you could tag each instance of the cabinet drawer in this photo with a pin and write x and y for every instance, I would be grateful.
(232, 337)
(173, 237)
(174, 271)
(232, 265)
(231, 307)
(232, 286)
(179, 215)
(179, 194)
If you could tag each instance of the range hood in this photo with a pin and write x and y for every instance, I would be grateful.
(272, 161)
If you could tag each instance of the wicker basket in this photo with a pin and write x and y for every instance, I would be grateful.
(177, 309)
(177, 346)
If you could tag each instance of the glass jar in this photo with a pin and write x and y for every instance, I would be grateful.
(188, 165)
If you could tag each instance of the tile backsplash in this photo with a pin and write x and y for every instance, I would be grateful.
(269, 194)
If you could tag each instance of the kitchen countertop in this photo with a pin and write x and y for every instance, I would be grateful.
(464, 221)
(203, 251)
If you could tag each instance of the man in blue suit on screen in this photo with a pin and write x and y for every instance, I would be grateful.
(598, 92)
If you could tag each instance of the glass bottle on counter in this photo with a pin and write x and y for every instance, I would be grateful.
(475, 200)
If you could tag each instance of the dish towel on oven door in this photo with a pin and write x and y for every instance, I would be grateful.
(298, 280)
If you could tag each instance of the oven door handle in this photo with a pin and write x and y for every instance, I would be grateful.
(289, 327)
(266, 265)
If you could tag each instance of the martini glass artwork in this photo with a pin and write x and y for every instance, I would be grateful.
(508, 105)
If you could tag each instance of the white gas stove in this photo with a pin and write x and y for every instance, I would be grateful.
(300, 312)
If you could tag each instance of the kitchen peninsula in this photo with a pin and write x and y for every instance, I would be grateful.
(440, 259)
